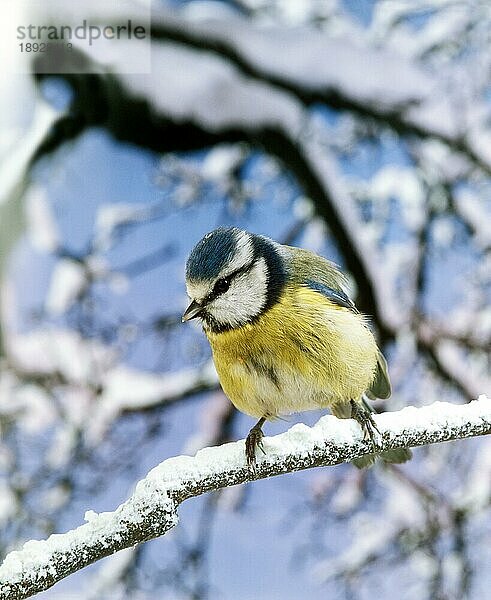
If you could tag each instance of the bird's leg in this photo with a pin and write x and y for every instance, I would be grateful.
(253, 441)
(364, 417)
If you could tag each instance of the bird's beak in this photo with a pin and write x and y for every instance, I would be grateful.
(192, 311)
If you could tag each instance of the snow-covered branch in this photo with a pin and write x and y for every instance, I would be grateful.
(152, 510)
(379, 83)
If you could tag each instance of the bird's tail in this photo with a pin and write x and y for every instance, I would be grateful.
(395, 456)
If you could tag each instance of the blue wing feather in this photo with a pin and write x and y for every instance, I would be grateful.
(336, 296)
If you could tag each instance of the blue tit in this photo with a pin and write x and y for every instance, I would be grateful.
(284, 334)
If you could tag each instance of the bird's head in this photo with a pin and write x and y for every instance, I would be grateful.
(232, 277)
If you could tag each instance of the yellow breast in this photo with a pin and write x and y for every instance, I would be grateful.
(303, 353)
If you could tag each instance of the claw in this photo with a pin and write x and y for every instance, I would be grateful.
(254, 440)
(366, 421)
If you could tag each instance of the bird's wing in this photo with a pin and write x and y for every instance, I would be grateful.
(325, 277)
(336, 296)
(320, 275)
(380, 387)
(308, 265)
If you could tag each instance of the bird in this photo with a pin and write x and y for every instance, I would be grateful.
(284, 334)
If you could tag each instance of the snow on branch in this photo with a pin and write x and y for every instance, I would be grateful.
(152, 510)
(377, 82)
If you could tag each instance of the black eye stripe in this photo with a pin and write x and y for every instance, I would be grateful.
(228, 279)
(241, 270)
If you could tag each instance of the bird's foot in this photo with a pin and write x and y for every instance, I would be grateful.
(364, 417)
(254, 440)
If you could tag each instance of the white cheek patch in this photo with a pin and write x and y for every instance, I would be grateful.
(245, 299)
(243, 256)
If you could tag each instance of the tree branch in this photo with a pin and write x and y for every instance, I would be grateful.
(379, 84)
(152, 510)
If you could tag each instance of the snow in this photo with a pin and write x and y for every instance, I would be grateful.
(439, 29)
(55, 498)
(311, 60)
(440, 163)
(41, 224)
(80, 362)
(423, 564)
(132, 390)
(443, 232)
(33, 561)
(394, 181)
(17, 81)
(452, 356)
(348, 495)
(377, 77)
(472, 208)
(402, 503)
(14, 166)
(68, 281)
(453, 564)
(302, 440)
(324, 164)
(477, 491)
(225, 465)
(315, 233)
(203, 88)
(436, 115)
(221, 160)
(371, 540)
(303, 208)
(32, 404)
(479, 140)
(215, 410)
(28, 403)
(8, 503)
(110, 217)
(62, 446)
(58, 350)
(204, 9)
(125, 388)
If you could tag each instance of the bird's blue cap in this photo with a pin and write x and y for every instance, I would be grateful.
(211, 254)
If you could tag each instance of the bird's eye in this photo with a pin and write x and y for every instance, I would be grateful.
(221, 286)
